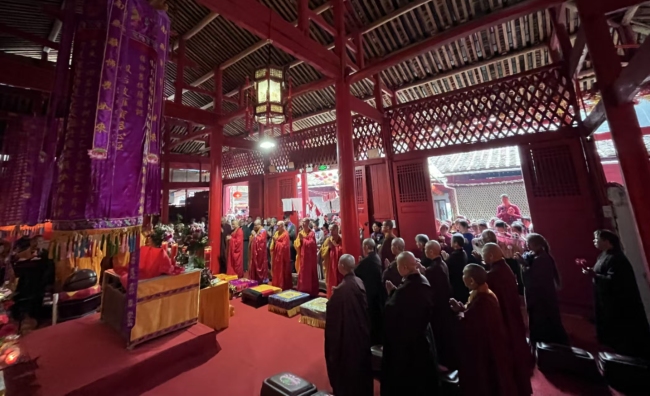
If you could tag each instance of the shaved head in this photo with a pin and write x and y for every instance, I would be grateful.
(406, 263)
(369, 243)
(258, 222)
(489, 236)
(492, 253)
(476, 273)
(346, 264)
(397, 246)
(432, 249)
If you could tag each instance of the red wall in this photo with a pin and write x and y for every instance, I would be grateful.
(613, 173)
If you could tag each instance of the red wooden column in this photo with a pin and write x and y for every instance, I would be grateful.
(624, 125)
(305, 193)
(167, 178)
(386, 143)
(345, 143)
(216, 146)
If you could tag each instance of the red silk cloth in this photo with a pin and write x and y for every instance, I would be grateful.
(259, 265)
(153, 262)
(281, 261)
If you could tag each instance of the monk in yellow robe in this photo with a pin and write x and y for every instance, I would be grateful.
(331, 252)
(281, 258)
(307, 260)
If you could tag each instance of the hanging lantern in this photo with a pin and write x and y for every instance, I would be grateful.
(236, 195)
(269, 95)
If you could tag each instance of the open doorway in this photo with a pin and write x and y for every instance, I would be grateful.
(471, 184)
(235, 201)
(323, 187)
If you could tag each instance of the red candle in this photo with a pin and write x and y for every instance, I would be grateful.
(174, 252)
(207, 255)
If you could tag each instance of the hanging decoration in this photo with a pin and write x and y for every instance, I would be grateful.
(269, 95)
(236, 195)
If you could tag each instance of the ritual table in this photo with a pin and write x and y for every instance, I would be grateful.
(214, 306)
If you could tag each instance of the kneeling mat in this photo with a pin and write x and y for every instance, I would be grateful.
(258, 296)
(287, 384)
(287, 303)
(313, 312)
(554, 357)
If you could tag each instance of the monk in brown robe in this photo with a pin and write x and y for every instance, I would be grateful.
(443, 320)
(307, 260)
(391, 273)
(409, 365)
(347, 335)
(503, 283)
(386, 251)
(369, 271)
(236, 251)
(281, 258)
(331, 252)
(485, 363)
(258, 269)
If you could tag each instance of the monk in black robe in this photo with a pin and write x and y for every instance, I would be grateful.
(456, 263)
(621, 323)
(386, 252)
(542, 280)
(369, 271)
(503, 283)
(347, 335)
(486, 365)
(391, 273)
(409, 365)
(443, 320)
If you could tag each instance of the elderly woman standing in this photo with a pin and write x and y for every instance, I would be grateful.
(621, 323)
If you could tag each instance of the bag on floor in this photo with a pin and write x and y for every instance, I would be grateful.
(554, 357)
(625, 373)
(287, 384)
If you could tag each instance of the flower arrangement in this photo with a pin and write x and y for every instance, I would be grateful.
(162, 233)
(195, 238)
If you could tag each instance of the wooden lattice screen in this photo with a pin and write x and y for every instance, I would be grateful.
(238, 164)
(317, 145)
(537, 101)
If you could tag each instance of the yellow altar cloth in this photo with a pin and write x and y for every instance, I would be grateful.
(214, 306)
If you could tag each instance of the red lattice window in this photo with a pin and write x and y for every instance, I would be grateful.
(238, 164)
(533, 102)
(412, 183)
(286, 188)
(317, 145)
(552, 172)
(358, 185)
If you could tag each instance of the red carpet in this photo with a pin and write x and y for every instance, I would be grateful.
(259, 344)
(86, 357)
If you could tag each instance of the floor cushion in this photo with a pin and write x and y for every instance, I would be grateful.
(258, 296)
(287, 384)
(625, 373)
(242, 284)
(226, 277)
(555, 357)
(287, 302)
(312, 313)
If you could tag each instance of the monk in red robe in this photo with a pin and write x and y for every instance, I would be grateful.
(258, 270)
(331, 252)
(307, 260)
(281, 258)
(485, 363)
(236, 251)
(503, 283)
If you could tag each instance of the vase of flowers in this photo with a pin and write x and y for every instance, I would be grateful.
(162, 233)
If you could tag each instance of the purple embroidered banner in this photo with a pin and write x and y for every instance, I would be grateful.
(21, 198)
(111, 141)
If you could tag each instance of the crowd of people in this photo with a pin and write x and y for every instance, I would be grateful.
(454, 303)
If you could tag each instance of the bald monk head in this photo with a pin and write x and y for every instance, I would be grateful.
(474, 276)
(346, 264)
(397, 246)
(368, 246)
(492, 253)
(489, 236)
(235, 224)
(280, 225)
(334, 230)
(257, 225)
(407, 264)
(306, 224)
(432, 249)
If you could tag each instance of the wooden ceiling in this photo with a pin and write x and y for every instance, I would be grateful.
(388, 25)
